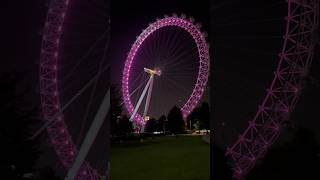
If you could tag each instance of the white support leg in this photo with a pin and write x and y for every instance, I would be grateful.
(149, 88)
(90, 136)
(146, 107)
(140, 99)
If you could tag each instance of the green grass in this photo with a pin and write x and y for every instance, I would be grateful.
(162, 158)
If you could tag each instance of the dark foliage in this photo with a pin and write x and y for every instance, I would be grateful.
(297, 159)
(200, 115)
(161, 123)
(116, 110)
(125, 126)
(151, 125)
(46, 173)
(175, 121)
(18, 116)
(204, 116)
(220, 168)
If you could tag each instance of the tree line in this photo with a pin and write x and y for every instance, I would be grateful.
(173, 123)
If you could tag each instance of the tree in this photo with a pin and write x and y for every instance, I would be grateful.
(125, 126)
(46, 173)
(161, 123)
(196, 125)
(116, 110)
(220, 168)
(151, 125)
(18, 116)
(192, 118)
(296, 159)
(201, 116)
(175, 120)
(204, 116)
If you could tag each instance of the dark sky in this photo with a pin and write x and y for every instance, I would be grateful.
(247, 37)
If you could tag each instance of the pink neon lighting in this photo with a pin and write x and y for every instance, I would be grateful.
(203, 50)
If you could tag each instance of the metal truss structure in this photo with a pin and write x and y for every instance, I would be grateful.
(203, 54)
(295, 59)
(51, 107)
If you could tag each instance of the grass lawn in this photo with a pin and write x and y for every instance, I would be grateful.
(162, 158)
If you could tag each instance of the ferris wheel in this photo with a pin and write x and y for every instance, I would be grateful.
(192, 60)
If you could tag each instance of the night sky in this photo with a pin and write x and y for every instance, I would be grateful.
(245, 38)
(246, 42)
